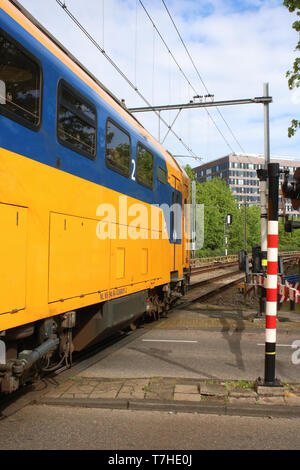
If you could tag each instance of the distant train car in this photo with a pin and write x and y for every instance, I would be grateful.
(88, 242)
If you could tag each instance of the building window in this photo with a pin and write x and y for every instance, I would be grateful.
(76, 121)
(20, 83)
(117, 149)
(144, 166)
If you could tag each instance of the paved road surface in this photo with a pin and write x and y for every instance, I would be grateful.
(192, 344)
(203, 344)
(47, 427)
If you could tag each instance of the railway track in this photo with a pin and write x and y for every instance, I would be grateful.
(222, 260)
(220, 273)
(206, 282)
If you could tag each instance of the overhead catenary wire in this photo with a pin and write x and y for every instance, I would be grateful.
(135, 41)
(198, 73)
(184, 74)
(123, 75)
(103, 24)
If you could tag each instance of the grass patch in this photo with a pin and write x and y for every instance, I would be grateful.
(241, 384)
(75, 378)
(147, 388)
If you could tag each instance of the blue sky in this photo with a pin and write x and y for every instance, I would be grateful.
(236, 45)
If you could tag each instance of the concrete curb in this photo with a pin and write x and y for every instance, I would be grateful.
(205, 407)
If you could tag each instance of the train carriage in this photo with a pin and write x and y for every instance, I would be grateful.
(88, 242)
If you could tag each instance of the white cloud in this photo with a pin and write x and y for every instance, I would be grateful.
(236, 45)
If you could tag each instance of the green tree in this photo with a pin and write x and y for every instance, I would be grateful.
(288, 241)
(190, 172)
(218, 202)
(253, 227)
(294, 74)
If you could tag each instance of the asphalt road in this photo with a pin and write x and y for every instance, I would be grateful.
(231, 350)
(62, 428)
(189, 344)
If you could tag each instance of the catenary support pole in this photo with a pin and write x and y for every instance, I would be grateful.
(263, 189)
(193, 218)
(272, 271)
(226, 236)
(262, 175)
(245, 226)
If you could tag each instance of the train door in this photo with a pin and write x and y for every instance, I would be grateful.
(185, 225)
(176, 228)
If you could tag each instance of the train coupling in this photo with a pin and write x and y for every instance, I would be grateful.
(28, 358)
(12, 371)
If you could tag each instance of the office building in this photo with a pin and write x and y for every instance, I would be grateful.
(239, 172)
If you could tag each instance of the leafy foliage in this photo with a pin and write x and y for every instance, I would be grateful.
(294, 74)
(219, 201)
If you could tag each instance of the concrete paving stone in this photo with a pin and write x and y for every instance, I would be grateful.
(271, 401)
(64, 386)
(160, 389)
(81, 389)
(103, 394)
(126, 389)
(81, 395)
(187, 389)
(242, 400)
(187, 397)
(54, 394)
(137, 382)
(213, 389)
(108, 386)
(292, 400)
(136, 390)
(270, 391)
(243, 393)
(132, 395)
(162, 394)
(82, 380)
(93, 383)
(67, 395)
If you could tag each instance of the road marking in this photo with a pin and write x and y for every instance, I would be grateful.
(284, 345)
(168, 341)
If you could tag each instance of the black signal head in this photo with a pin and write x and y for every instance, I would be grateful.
(291, 188)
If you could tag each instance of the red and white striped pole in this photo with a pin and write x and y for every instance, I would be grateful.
(272, 271)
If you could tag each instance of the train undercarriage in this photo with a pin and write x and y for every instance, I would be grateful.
(30, 351)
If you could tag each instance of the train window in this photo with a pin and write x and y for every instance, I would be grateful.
(144, 166)
(117, 149)
(20, 83)
(76, 121)
(161, 175)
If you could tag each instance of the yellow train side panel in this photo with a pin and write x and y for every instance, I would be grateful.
(73, 246)
(13, 253)
(51, 258)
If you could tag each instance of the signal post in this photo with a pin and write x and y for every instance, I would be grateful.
(272, 272)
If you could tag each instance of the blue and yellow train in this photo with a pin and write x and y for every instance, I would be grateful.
(81, 182)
